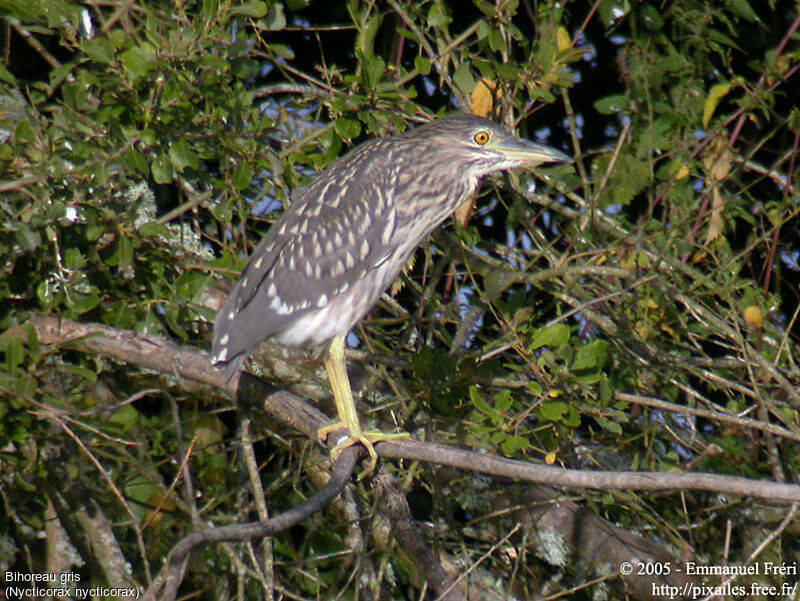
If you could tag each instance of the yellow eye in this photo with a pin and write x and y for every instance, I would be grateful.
(481, 137)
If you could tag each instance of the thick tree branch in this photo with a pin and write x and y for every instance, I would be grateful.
(568, 478)
(192, 364)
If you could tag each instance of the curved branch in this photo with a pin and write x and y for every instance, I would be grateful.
(192, 364)
(342, 470)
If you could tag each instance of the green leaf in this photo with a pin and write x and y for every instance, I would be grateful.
(552, 336)
(209, 10)
(135, 162)
(744, 10)
(591, 356)
(611, 105)
(463, 79)
(14, 352)
(422, 65)
(99, 174)
(23, 133)
(282, 50)
(6, 76)
(347, 128)
(137, 61)
(161, 168)
(32, 339)
(123, 419)
(611, 11)
(437, 16)
(120, 315)
(46, 294)
(28, 239)
(123, 253)
(190, 283)
(275, 19)
(503, 400)
(242, 175)
(182, 156)
(552, 411)
(609, 425)
(367, 30)
(651, 18)
(85, 374)
(541, 95)
(606, 392)
(496, 40)
(74, 259)
(98, 50)
(148, 137)
(588, 378)
(374, 68)
(715, 96)
(153, 229)
(572, 419)
(172, 319)
(534, 388)
(477, 401)
(484, 29)
(144, 494)
(629, 177)
(83, 303)
(717, 36)
(149, 324)
(254, 9)
(514, 444)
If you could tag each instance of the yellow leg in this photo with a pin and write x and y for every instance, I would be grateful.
(346, 410)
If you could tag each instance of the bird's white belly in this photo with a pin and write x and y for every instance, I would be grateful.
(318, 327)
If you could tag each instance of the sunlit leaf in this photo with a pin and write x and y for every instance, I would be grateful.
(481, 99)
(715, 95)
(253, 9)
(552, 336)
(753, 316)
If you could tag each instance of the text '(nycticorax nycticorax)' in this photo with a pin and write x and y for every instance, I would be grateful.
(345, 238)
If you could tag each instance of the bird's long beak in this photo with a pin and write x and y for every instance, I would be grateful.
(530, 153)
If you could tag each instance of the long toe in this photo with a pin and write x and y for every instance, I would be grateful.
(368, 439)
(326, 430)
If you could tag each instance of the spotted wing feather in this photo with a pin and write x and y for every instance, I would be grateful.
(328, 239)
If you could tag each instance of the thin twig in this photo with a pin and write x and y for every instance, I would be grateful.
(261, 506)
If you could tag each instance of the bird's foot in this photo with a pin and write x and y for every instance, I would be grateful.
(367, 438)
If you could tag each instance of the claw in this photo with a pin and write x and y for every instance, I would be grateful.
(368, 439)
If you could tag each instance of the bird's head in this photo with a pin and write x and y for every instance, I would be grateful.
(482, 146)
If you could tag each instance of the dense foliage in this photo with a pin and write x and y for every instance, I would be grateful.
(635, 311)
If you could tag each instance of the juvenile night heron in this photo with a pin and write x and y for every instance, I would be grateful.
(345, 238)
